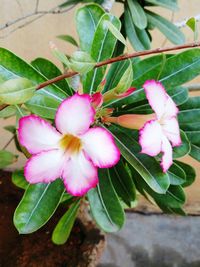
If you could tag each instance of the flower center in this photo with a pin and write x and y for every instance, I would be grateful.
(71, 143)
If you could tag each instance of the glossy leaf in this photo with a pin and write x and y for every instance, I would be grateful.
(116, 33)
(8, 112)
(63, 228)
(115, 73)
(178, 69)
(50, 71)
(139, 39)
(6, 158)
(138, 15)
(16, 91)
(37, 206)
(192, 24)
(102, 48)
(146, 166)
(123, 183)
(173, 199)
(19, 180)
(171, 31)
(81, 62)
(104, 203)
(68, 38)
(189, 172)
(184, 148)
(170, 4)
(87, 18)
(12, 67)
(176, 174)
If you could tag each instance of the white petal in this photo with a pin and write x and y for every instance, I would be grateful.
(99, 145)
(171, 109)
(167, 159)
(37, 134)
(79, 175)
(172, 131)
(75, 115)
(44, 167)
(151, 138)
(156, 96)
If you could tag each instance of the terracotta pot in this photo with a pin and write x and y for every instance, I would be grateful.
(83, 249)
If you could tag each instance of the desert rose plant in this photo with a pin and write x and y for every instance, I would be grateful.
(110, 127)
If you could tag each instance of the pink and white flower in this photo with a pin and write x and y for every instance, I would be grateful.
(162, 133)
(72, 150)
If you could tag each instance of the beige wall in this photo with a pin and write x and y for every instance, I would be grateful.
(32, 41)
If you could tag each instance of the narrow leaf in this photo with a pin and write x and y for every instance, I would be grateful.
(63, 228)
(138, 15)
(68, 38)
(19, 180)
(37, 206)
(105, 205)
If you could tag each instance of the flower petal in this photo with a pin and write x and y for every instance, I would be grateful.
(167, 159)
(171, 109)
(37, 134)
(172, 131)
(79, 175)
(75, 115)
(156, 96)
(151, 138)
(44, 167)
(99, 145)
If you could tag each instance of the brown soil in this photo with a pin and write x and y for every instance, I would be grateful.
(36, 250)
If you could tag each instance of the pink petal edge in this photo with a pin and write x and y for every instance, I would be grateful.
(65, 125)
(114, 158)
(22, 124)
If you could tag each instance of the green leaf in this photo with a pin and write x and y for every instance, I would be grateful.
(19, 180)
(63, 228)
(12, 67)
(179, 69)
(8, 112)
(189, 172)
(43, 105)
(16, 91)
(123, 183)
(116, 33)
(104, 203)
(176, 174)
(50, 71)
(115, 73)
(6, 158)
(174, 197)
(81, 62)
(170, 4)
(139, 39)
(184, 148)
(126, 80)
(192, 24)
(87, 18)
(146, 166)
(102, 48)
(138, 15)
(68, 38)
(37, 206)
(171, 31)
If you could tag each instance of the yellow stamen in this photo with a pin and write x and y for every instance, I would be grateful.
(70, 143)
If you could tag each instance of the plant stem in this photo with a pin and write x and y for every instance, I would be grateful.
(116, 59)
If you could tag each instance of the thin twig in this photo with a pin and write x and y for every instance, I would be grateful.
(116, 59)
(36, 14)
(8, 143)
